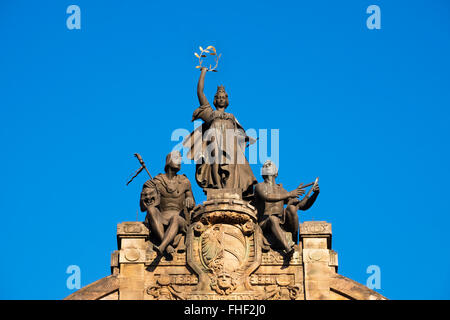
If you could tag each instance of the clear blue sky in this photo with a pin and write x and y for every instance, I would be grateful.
(366, 110)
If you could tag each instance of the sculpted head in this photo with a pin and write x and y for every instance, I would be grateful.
(269, 169)
(224, 281)
(173, 160)
(221, 98)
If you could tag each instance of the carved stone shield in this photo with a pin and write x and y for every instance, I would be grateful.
(223, 247)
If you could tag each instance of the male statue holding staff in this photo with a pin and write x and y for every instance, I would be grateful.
(166, 198)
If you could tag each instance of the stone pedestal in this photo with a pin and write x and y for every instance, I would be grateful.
(318, 263)
(131, 240)
(224, 256)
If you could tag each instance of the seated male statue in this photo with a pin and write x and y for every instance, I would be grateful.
(270, 201)
(167, 198)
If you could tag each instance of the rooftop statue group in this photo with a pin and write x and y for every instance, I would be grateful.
(218, 148)
(243, 242)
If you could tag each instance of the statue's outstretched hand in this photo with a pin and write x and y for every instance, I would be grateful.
(316, 188)
(297, 192)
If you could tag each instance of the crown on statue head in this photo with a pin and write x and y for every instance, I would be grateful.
(220, 89)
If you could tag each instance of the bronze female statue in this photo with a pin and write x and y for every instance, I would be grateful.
(218, 146)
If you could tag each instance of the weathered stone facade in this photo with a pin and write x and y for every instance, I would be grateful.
(224, 256)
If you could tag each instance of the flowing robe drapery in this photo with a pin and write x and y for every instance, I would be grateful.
(218, 148)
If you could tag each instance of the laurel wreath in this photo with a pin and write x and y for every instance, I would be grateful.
(212, 51)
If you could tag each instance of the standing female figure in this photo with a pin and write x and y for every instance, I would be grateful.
(218, 146)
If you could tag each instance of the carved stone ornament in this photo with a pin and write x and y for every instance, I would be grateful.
(164, 290)
(223, 248)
